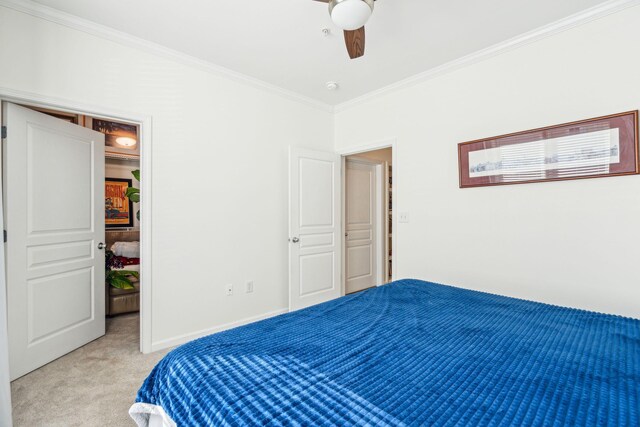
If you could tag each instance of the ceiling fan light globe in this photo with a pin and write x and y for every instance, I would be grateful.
(350, 14)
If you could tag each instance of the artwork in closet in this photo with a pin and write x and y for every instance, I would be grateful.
(118, 208)
(121, 139)
(62, 115)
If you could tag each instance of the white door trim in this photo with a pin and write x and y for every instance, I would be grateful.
(376, 145)
(5, 384)
(146, 203)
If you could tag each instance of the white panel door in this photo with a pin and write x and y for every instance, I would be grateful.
(54, 203)
(314, 227)
(361, 222)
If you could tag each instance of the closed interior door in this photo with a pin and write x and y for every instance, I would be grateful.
(314, 227)
(361, 225)
(54, 201)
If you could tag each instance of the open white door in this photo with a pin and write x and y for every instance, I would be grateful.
(314, 227)
(363, 224)
(54, 204)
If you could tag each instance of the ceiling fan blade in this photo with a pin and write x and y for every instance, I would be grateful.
(355, 42)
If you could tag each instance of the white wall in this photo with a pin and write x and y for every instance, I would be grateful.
(116, 168)
(219, 165)
(573, 243)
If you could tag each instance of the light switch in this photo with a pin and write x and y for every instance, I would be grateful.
(403, 217)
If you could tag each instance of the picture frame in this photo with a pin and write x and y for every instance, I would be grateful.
(73, 118)
(593, 148)
(118, 208)
(120, 139)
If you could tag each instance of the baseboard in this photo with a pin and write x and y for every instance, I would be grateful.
(181, 339)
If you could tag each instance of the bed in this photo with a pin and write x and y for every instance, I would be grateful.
(407, 353)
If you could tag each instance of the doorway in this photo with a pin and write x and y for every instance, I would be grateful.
(72, 326)
(368, 219)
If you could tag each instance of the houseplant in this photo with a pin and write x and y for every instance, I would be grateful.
(134, 193)
(118, 278)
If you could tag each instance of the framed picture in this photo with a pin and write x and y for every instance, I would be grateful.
(599, 147)
(121, 139)
(76, 119)
(118, 209)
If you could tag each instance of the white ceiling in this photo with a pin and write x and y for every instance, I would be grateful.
(281, 41)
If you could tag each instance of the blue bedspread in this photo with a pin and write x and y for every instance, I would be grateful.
(409, 353)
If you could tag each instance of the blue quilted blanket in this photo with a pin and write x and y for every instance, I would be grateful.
(409, 353)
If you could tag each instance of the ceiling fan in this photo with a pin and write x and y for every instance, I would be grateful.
(351, 15)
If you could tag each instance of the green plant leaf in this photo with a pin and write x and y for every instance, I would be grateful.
(133, 194)
(121, 283)
(120, 278)
(136, 174)
(129, 273)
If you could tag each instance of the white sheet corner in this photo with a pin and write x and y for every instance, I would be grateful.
(148, 415)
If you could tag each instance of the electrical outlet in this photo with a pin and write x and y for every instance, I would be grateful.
(229, 289)
(249, 286)
(403, 217)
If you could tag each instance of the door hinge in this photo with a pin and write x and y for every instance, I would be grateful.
(4, 132)
(4, 235)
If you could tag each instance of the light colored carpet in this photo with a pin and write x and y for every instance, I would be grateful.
(93, 386)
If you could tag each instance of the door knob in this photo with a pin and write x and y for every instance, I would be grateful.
(101, 245)
(295, 240)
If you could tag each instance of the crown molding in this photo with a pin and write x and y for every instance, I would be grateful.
(89, 27)
(71, 21)
(572, 21)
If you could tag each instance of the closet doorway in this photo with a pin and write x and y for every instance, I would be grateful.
(70, 214)
(368, 219)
